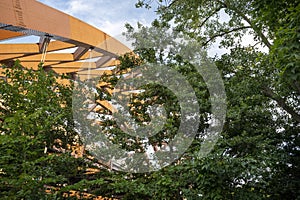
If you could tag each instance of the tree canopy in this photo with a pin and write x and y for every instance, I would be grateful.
(256, 155)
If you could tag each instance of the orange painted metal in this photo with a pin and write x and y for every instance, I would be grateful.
(29, 17)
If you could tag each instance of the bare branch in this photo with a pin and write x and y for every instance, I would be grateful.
(247, 19)
(281, 102)
(296, 84)
(171, 4)
(206, 19)
(225, 33)
(256, 29)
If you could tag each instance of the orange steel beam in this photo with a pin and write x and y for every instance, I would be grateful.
(57, 31)
(5, 34)
(59, 57)
(29, 17)
(32, 48)
(18, 48)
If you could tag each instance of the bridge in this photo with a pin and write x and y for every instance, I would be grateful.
(66, 44)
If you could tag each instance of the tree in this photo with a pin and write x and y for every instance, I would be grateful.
(37, 136)
(272, 24)
(257, 154)
(262, 88)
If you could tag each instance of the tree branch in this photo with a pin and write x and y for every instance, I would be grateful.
(172, 3)
(296, 84)
(206, 19)
(281, 102)
(253, 26)
(225, 33)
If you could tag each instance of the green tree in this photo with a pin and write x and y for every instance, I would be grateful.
(272, 24)
(257, 155)
(37, 133)
(259, 151)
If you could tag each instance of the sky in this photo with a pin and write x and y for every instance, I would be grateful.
(109, 16)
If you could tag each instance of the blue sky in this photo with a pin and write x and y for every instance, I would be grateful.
(109, 16)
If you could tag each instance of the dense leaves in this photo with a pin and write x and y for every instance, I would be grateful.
(257, 154)
(37, 133)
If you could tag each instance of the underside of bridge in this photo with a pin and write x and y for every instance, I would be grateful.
(66, 44)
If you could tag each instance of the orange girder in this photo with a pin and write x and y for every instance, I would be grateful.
(30, 17)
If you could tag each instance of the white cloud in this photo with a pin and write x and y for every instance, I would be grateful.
(78, 6)
(109, 16)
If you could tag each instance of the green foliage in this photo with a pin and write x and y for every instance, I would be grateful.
(36, 133)
(257, 155)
